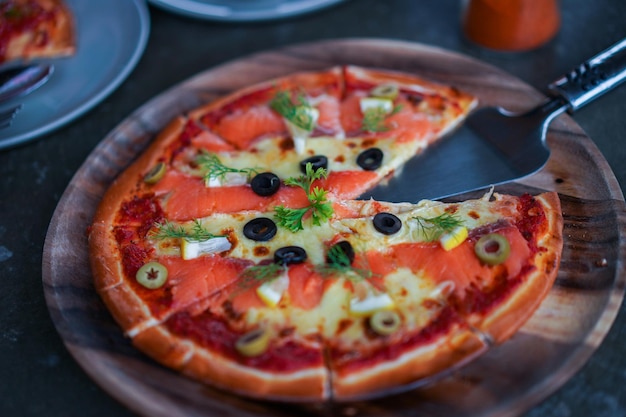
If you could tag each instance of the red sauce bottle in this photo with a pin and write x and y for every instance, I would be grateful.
(511, 25)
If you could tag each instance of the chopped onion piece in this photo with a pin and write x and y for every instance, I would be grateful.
(230, 179)
(191, 249)
(272, 291)
(370, 304)
(300, 135)
(370, 103)
(443, 290)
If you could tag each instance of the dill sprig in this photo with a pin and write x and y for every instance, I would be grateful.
(339, 264)
(263, 272)
(257, 273)
(432, 228)
(297, 112)
(319, 207)
(213, 168)
(169, 230)
(374, 119)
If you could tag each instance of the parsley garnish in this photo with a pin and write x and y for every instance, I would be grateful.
(374, 119)
(432, 228)
(169, 230)
(321, 209)
(297, 112)
(213, 168)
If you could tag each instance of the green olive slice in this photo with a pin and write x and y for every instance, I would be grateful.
(152, 275)
(253, 343)
(385, 322)
(155, 174)
(492, 249)
(389, 91)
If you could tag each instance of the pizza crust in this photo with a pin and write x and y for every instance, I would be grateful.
(445, 354)
(201, 364)
(310, 384)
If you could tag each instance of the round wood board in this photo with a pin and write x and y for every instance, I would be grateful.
(507, 380)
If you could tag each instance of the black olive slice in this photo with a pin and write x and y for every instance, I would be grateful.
(317, 161)
(289, 255)
(341, 260)
(370, 159)
(260, 229)
(387, 223)
(265, 184)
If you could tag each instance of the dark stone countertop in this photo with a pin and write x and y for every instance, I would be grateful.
(40, 378)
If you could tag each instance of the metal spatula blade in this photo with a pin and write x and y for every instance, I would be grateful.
(495, 146)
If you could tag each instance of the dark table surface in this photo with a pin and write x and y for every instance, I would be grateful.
(38, 377)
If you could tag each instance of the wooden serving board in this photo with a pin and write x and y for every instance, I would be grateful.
(507, 380)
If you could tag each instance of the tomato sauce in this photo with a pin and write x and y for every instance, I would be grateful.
(190, 131)
(214, 333)
(533, 222)
(142, 211)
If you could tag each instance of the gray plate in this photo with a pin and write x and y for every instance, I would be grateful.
(80, 82)
(242, 10)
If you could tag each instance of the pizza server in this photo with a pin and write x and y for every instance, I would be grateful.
(495, 146)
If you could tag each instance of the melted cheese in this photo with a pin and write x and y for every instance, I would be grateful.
(414, 295)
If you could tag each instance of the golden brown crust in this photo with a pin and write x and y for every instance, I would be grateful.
(303, 80)
(414, 82)
(214, 369)
(502, 322)
(449, 351)
(126, 182)
(309, 384)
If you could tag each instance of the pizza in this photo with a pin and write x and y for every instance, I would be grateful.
(35, 29)
(236, 251)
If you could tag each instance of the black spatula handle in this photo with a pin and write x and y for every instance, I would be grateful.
(593, 77)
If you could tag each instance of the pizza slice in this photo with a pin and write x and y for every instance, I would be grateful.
(400, 106)
(35, 29)
(458, 278)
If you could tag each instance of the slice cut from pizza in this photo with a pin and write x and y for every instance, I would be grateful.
(233, 249)
(461, 277)
(35, 29)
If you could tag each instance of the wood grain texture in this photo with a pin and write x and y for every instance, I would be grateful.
(509, 379)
